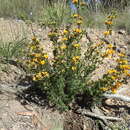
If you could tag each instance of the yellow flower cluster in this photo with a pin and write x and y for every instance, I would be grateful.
(36, 59)
(109, 20)
(113, 88)
(108, 53)
(118, 74)
(116, 86)
(108, 24)
(40, 76)
(75, 59)
(124, 67)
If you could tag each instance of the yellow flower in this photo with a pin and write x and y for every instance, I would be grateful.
(35, 60)
(75, 15)
(126, 72)
(125, 61)
(64, 39)
(122, 61)
(110, 51)
(121, 54)
(74, 68)
(113, 77)
(112, 71)
(37, 54)
(63, 47)
(114, 90)
(42, 62)
(111, 17)
(65, 31)
(45, 56)
(118, 84)
(110, 46)
(45, 74)
(125, 66)
(108, 22)
(76, 45)
(77, 30)
(33, 47)
(106, 33)
(38, 76)
(75, 59)
(79, 22)
(34, 38)
(75, 1)
(104, 89)
(34, 78)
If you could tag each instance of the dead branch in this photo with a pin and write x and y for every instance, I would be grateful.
(117, 96)
(100, 117)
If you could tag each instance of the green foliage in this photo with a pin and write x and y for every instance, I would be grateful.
(121, 23)
(56, 15)
(11, 50)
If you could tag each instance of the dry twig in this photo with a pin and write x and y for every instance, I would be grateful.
(100, 117)
(117, 96)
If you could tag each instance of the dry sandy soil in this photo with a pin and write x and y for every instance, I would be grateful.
(16, 113)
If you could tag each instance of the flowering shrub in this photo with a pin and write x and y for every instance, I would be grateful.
(68, 76)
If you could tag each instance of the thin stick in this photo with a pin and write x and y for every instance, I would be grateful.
(102, 118)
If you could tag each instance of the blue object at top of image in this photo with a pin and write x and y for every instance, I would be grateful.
(73, 8)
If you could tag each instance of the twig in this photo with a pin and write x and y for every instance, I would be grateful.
(117, 96)
(102, 118)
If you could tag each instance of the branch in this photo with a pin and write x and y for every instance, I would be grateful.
(117, 96)
(100, 117)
